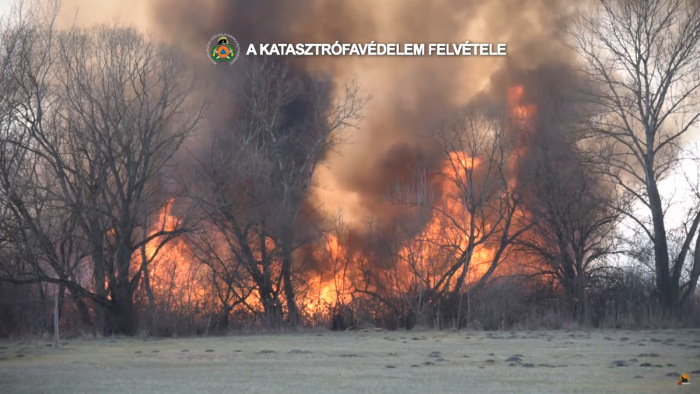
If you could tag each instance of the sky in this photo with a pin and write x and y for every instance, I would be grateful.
(5, 5)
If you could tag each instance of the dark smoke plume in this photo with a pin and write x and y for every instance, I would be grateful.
(409, 95)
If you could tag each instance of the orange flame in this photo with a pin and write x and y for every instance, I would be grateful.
(522, 113)
(442, 230)
(421, 256)
(333, 287)
(425, 258)
(179, 283)
(175, 281)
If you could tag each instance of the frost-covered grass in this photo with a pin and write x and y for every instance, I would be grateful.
(360, 362)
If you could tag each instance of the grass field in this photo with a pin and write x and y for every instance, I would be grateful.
(367, 361)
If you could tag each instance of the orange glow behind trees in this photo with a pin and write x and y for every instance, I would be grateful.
(425, 261)
(177, 283)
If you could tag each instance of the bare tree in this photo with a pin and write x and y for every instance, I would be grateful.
(286, 122)
(477, 218)
(101, 115)
(484, 191)
(381, 280)
(415, 246)
(26, 209)
(642, 58)
(229, 275)
(236, 202)
(574, 225)
(126, 116)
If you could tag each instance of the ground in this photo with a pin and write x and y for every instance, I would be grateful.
(366, 361)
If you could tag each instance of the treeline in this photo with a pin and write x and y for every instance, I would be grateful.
(539, 212)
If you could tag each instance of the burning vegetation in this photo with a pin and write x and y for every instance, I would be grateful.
(481, 192)
(458, 229)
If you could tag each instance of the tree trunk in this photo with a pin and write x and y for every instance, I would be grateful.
(61, 299)
(688, 296)
(151, 300)
(465, 269)
(120, 319)
(667, 295)
(100, 290)
(293, 317)
(147, 275)
(223, 319)
(83, 312)
(271, 305)
(578, 298)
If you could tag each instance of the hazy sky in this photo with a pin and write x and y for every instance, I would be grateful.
(5, 4)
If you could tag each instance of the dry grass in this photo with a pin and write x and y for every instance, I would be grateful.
(363, 361)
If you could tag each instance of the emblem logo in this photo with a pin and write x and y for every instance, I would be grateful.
(223, 48)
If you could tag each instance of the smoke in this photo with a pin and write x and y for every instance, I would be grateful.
(409, 95)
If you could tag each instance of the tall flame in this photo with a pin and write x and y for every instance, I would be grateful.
(333, 287)
(519, 111)
(179, 283)
(424, 256)
(175, 281)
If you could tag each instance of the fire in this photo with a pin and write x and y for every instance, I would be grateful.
(176, 282)
(522, 116)
(442, 229)
(181, 284)
(459, 164)
(522, 113)
(333, 287)
(424, 259)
